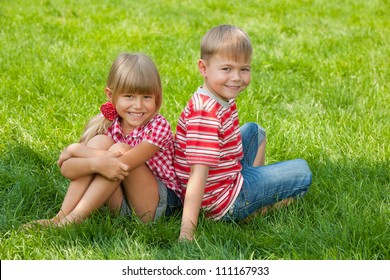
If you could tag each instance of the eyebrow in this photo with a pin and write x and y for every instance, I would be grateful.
(231, 65)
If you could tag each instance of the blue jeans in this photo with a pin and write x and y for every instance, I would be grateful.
(265, 185)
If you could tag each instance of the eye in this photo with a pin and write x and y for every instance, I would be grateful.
(148, 97)
(128, 96)
(226, 69)
(246, 69)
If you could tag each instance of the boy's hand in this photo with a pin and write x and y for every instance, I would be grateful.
(187, 235)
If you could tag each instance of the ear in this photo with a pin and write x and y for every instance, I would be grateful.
(202, 67)
(108, 93)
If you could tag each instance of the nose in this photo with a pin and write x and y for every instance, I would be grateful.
(236, 76)
(138, 102)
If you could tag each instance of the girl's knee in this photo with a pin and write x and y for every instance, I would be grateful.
(121, 147)
(100, 141)
(114, 203)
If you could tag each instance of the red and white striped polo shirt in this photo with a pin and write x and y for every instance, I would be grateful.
(157, 132)
(208, 133)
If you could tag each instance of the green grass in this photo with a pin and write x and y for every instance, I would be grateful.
(320, 86)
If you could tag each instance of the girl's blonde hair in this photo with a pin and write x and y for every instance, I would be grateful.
(130, 73)
(228, 41)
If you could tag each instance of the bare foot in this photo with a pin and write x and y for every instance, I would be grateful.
(37, 223)
(283, 203)
(276, 206)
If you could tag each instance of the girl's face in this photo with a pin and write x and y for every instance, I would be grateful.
(225, 78)
(135, 110)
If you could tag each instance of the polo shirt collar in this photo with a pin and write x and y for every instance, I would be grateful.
(222, 102)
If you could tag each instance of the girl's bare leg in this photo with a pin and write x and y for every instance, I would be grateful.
(141, 191)
(114, 202)
(77, 187)
(101, 190)
(98, 192)
(140, 188)
(73, 195)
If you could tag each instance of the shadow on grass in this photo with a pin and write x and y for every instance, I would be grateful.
(31, 185)
(343, 216)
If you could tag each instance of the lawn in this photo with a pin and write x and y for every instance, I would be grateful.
(320, 86)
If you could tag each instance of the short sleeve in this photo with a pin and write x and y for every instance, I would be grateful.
(159, 133)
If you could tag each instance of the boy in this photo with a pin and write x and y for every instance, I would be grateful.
(220, 165)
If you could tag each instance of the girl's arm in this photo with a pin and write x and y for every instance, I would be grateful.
(193, 201)
(78, 160)
(139, 154)
(108, 166)
(79, 150)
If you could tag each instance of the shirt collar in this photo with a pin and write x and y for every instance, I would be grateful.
(117, 128)
(203, 91)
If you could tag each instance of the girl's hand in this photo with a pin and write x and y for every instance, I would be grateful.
(111, 167)
(80, 150)
(65, 154)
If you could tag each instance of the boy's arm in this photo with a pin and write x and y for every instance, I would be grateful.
(193, 201)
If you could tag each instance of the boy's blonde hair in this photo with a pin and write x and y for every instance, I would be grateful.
(228, 41)
(130, 73)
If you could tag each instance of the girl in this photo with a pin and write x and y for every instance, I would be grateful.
(125, 155)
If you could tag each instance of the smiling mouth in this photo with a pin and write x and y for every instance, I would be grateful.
(136, 115)
(234, 87)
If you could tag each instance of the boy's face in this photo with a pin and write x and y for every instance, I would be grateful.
(224, 77)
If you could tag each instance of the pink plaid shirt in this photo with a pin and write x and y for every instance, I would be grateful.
(157, 132)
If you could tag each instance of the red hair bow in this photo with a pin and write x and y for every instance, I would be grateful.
(108, 110)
